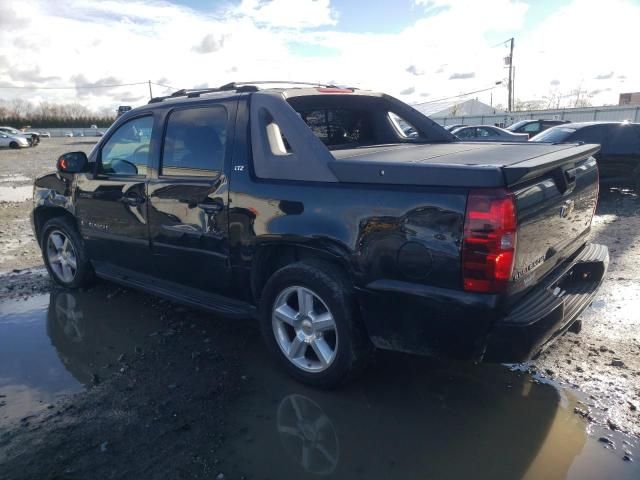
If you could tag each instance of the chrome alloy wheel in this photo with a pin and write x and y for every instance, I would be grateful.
(305, 329)
(62, 256)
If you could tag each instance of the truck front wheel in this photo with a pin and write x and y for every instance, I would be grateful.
(309, 320)
(64, 255)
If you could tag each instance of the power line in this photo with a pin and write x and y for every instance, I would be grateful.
(76, 87)
(456, 96)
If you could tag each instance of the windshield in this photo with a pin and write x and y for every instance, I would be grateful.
(554, 135)
(517, 125)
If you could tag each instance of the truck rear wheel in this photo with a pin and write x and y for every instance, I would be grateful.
(309, 320)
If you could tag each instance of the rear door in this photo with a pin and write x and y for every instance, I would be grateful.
(188, 200)
(111, 203)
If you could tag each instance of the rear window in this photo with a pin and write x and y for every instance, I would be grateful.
(336, 127)
(517, 125)
(554, 135)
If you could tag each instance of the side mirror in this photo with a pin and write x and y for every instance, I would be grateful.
(73, 162)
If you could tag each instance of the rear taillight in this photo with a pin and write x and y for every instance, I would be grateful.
(489, 244)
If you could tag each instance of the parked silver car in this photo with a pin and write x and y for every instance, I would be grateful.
(10, 141)
(488, 133)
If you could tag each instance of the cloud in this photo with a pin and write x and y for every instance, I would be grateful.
(102, 86)
(11, 17)
(598, 91)
(408, 91)
(132, 97)
(22, 42)
(425, 94)
(32, 74)
(289, 14)
(136, 40)
(555, 82)
(210, 43)
(603, 76)
(412, 69)
(462, 76)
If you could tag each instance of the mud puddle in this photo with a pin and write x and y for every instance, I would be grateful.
(214, 403)
(54, 345)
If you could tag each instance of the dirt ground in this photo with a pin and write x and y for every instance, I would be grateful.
(166, 401)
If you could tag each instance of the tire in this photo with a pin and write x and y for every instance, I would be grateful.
(14, 145)
(62, 248)
(335, 347)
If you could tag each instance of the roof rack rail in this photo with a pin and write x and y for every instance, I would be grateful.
(234, 86)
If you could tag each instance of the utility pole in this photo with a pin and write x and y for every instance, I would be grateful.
(510, 85)
(150, 93)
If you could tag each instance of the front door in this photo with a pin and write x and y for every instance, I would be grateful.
(189, 198)
(111, 203)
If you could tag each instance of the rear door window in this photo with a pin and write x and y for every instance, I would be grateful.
(485, 132)
(591, 134)
(194, 142)
(622, 140)
(531, 127)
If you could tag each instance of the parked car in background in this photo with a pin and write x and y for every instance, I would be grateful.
(32, 137)
(533, 127)
(68, 134)
(488, 133)
(45, 135)
(619, 156)
(11, 141)
(449, 128)
(99, 133)
(122, 109)
(349, 234)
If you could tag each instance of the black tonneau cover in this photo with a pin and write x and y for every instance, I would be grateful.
(457, 164)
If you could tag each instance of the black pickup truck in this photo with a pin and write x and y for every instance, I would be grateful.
(342, 219)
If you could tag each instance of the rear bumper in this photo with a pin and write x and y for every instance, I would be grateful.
(428, 320)
(546, 313)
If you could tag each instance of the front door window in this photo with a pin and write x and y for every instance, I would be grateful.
(127, 151)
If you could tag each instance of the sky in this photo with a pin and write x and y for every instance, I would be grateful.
(416, 50)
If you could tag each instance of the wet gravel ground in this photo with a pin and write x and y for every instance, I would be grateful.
(163, 408)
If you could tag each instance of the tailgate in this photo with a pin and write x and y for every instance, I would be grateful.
(555, 205)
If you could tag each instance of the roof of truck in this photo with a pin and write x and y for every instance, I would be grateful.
(288, 89)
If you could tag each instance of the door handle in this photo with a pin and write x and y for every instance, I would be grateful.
(132, 200)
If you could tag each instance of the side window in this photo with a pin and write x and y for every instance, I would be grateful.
(532, 127)
(466, 133)
(484, 132)
(623, 140)
(127, 150)
(403, 127)
(194, 143)
(591, 134)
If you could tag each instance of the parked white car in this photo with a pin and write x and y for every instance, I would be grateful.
(45, 135)
(68, 134)
(10, 141)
